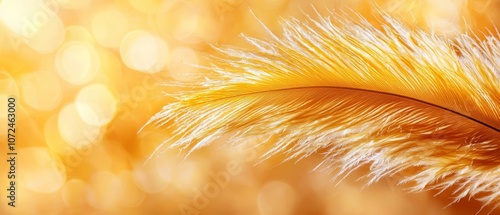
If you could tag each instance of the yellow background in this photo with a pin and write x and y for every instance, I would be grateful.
(88, 75)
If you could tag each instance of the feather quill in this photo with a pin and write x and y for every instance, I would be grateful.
(397, 99)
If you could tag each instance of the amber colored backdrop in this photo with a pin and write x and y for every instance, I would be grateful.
(88, 74)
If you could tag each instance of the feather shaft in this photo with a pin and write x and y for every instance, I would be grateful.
(398, 100)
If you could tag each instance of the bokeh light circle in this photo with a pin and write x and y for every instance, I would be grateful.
(144, 51)
(74, 130)
(96, 104)
(77, 62)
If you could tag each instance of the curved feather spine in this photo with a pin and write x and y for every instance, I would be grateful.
(433, 104)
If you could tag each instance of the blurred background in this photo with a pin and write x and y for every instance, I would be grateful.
(88, 74)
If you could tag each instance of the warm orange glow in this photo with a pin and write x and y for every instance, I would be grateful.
(88, 75)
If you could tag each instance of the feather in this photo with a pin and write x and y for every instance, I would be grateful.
(400, 100)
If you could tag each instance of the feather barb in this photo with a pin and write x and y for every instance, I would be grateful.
(395, 99)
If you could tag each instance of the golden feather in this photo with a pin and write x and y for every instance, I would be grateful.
(397, 99)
